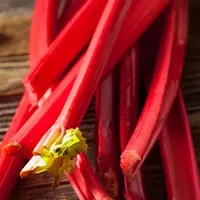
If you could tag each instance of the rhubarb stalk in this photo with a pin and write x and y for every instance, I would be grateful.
(71, 7)
(161, 95)
(177, 151)
(175, 139)
(9, 166)
(63, 145)
(67, 45)
(43, 29)
(83, 89)
(108, 138)
(129, 113)
(46, 115)
(144, 12)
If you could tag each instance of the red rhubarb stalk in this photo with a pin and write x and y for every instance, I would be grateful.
(68, 39)
(129, 95)
(44, 32)
(43, 29)
(44, 12)
(74, 36)
(46, 115)
(71, 7)
(177, 151)
(9, 166)
(129, 113)
(83, 89)
(175, 141)
(18, 162)
(161, 95)
(108, 139)
(97, 55)
(25, 109)
(80, 185)
(69, 11)
(176, 144)
(10, 175)
(77, 180)
(90, 177)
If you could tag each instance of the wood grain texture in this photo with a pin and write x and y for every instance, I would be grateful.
(12, 70)
(14, 32)
(14, 65)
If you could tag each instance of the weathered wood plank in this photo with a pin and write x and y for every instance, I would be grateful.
(14, 32)
(15, 17)
(64, 192)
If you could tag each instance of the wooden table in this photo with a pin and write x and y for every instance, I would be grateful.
(15, 19)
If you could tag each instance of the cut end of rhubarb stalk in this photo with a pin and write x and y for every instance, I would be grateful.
(129, 159)
(12, 149)
(60, 156)
(110, 183)
(31, 166)
(107, 198)
(108, 179)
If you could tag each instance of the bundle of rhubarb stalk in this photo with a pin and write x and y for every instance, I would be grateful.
(127, 55)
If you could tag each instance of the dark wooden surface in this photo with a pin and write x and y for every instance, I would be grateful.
(15, 19)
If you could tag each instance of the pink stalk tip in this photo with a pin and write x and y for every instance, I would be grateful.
(109, 179)
(25, 174)
(12, 149)
(129, 159)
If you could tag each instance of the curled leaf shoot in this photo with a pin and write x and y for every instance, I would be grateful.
(57, 157)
